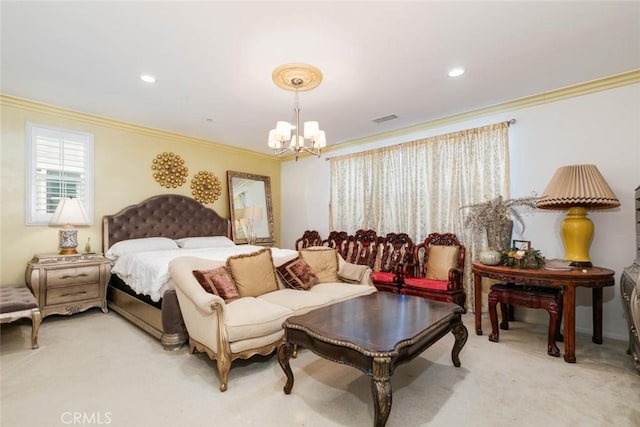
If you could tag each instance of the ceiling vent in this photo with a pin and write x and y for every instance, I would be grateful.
(385, 118)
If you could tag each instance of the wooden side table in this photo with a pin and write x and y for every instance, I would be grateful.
(595, 278)
(69, 284)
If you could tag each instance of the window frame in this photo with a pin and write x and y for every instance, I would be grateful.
(35, 131)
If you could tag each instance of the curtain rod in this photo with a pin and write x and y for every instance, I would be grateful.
(509, 123)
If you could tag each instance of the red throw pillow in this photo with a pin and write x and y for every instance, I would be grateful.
(297, 274)
(218, 282)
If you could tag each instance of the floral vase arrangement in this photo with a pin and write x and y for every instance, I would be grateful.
(495, 217)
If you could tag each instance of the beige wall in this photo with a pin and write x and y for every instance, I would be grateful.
(123, 154)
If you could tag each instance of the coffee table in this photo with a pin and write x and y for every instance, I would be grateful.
(374, 333)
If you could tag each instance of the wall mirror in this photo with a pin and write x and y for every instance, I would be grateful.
(250, 207)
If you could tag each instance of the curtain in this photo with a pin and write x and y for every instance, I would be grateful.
(418, 187)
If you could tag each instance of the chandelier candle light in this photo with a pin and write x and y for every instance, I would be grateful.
(577, 188)
(297, 77)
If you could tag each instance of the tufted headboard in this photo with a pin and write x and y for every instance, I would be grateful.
(171, 215)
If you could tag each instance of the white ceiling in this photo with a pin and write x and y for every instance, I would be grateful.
(213, 60)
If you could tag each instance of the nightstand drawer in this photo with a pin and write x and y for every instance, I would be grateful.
(73, 276)
(60, 295)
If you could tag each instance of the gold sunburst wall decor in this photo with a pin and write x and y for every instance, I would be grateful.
(205, 187)
(169, 170)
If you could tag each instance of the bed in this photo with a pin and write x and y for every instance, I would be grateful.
(172, 216)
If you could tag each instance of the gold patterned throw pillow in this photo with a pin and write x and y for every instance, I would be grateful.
(253, 273)
(324, 261)
(217, 281)
(441, 260)
(297, 274)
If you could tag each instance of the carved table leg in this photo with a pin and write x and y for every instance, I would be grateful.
(285, 351)
(597, 315)
(477, 302)
(460, 332)
(494, 336)
(569, 309)
(381, 389)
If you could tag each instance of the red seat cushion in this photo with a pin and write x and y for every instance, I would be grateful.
(383, 277)
(422, 283)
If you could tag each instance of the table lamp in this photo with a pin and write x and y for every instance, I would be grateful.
(578, 188)
(68, 214)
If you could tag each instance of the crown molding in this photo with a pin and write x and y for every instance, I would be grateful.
(40, 107)
(585, 88)
(605, 83)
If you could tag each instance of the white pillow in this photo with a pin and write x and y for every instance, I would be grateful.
(205, 242)
(140, 245)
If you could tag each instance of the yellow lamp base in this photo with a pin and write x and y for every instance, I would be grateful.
(577, 233)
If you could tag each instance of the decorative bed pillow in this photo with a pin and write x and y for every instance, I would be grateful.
(324, 261)
(124, 247)
(253, 273)
(205, 242)
(218, 282)
(297, 274)
(441, 260)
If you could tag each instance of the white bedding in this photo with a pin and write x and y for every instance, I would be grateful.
(147, 272)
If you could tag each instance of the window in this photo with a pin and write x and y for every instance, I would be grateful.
(59, 164)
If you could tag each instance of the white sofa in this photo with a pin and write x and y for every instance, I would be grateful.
(248, 325)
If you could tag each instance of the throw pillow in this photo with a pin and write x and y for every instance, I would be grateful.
(441, 260)
(253, 273)
(324, 261)
(218, 282)
(297, 274)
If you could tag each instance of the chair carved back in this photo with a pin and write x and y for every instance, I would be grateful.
(339, 240)
(364, 246)
(421, 251)
(395, 252)
(309, 238)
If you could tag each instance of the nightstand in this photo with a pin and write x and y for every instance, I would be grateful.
(69, 284)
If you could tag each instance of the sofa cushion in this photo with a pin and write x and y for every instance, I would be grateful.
(341, 291)
(253, 273)
(383, 277)
(298, 301)
(424, 283)
(441, 260)
(324, 261)
(297, 274)
(253, 317)
(217, 281)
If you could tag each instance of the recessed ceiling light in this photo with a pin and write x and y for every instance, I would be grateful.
(456, 72)
(147, 78)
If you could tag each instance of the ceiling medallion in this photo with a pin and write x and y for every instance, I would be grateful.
(298, 77)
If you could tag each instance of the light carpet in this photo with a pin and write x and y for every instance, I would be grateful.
(98, 369)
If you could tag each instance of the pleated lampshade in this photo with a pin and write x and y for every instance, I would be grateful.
(578, 185)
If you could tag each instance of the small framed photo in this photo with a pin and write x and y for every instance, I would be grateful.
(522, 245)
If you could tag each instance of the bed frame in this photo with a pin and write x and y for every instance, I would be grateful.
(173, 216)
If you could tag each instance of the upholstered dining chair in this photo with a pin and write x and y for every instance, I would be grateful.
(309, 238)
(395, 252)
(437, 265)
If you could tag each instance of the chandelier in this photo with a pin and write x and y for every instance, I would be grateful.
(286, 137)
